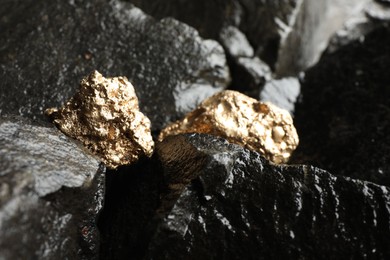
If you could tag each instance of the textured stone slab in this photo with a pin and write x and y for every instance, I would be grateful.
(243, 206)
(50, 194)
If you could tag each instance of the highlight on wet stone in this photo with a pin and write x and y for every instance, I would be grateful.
(104, 115)
(258, 126)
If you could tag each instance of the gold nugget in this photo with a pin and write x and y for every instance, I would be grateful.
(104, 115)
(242, 120)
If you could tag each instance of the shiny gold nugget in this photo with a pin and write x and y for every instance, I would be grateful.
(104, 115)
(258, 126)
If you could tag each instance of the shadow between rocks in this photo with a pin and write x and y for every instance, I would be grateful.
(132, 199)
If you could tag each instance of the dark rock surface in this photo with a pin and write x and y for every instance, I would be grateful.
(257, 20)
(241, 206)
(289, 35)
(203, 198)
(45, 52)
(50, 194)
(344, 118)
(198, 197)
(249, 72)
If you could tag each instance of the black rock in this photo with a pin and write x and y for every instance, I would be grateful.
(257, 20)
(45, 51)
(344, 119)
(50, 194)
(289, 35)
(240, 206)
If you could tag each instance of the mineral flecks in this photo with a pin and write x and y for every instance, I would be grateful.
(51, 192)
(104, 115)
(261, 127)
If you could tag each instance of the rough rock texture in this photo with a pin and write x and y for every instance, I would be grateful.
(242, 206)
(47, 47)
(104, 115)
(261, 127)
(344, 118)
(50, 194)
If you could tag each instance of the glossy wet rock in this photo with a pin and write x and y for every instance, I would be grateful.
(51, 192)
(104, 115)
(343, 119)
(243, 206)
(261, 127)
(46, 50)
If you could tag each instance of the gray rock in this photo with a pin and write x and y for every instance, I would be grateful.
(310, 28)
(241, 206)
(235, 42)
(378, 11)
(45, 52)
(249, 75)
(258, 21)
(288, 35)
(51, 192)
(282, 92)
(355, 28)
(343, 118)
(371, 16)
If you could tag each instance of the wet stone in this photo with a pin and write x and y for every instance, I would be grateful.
(240, 205)
(51, 192)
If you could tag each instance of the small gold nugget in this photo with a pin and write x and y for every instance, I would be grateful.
(104, 115)
(242, 120)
